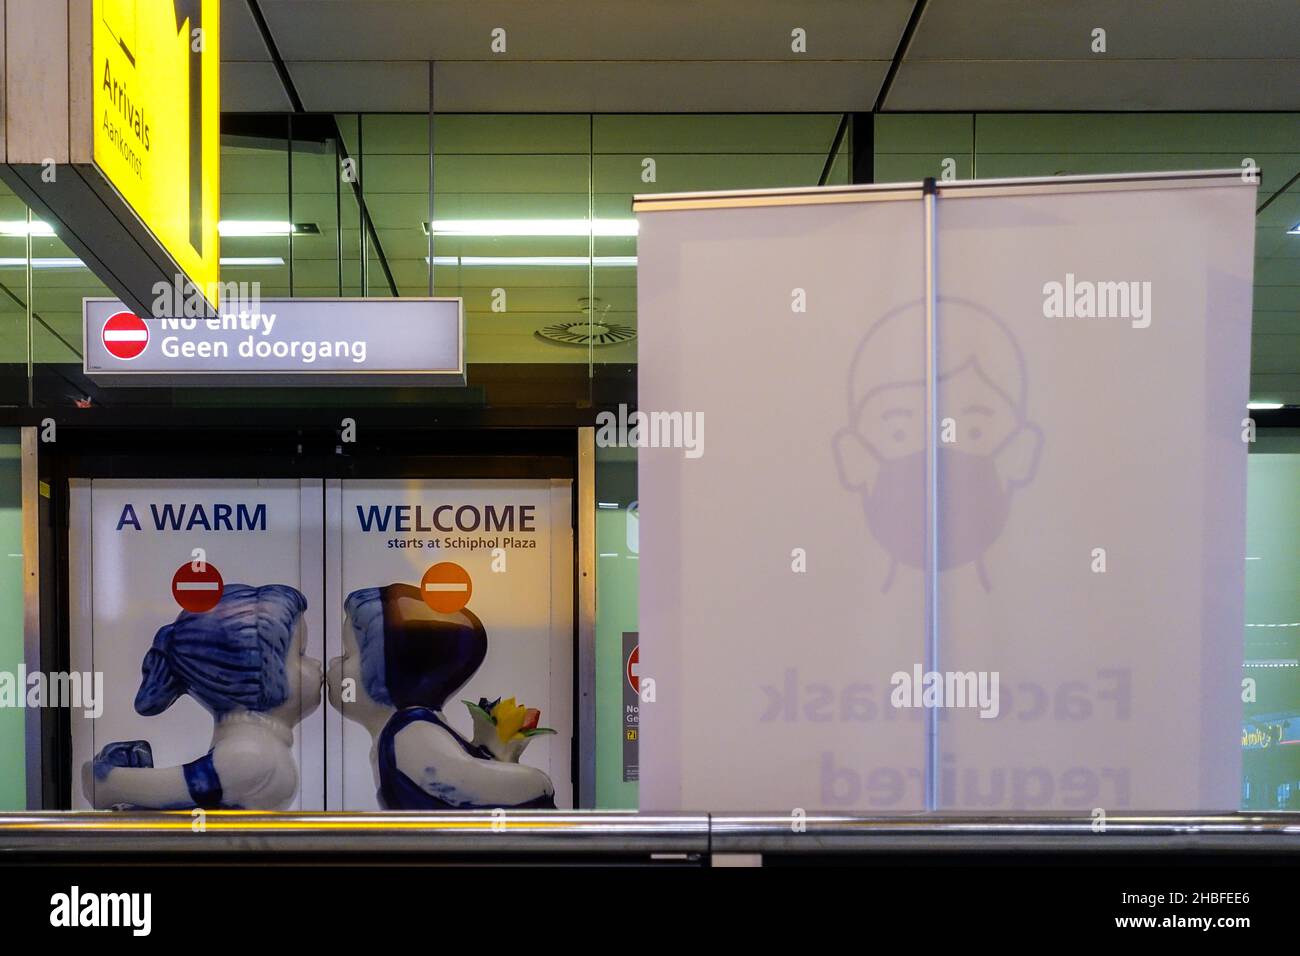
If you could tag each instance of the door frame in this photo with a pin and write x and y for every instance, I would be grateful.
(401, 450)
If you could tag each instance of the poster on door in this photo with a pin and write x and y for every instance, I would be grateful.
(200, 604)
(450, 681)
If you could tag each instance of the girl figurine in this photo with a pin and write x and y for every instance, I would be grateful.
(401, 662)
(243, 661)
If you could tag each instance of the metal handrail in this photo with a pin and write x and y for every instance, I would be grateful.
(500, 833)
(628, 833)
(789, 833)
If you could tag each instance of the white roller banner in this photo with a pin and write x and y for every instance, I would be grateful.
(1089, 369)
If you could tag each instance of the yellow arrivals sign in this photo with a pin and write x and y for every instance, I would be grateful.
(157, 110)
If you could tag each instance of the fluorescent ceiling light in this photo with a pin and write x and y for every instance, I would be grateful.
(20, 227)
(509, 262)
(265, 227)
(1264, 406)
(47, 262)
(72, 262)
(226, 227)
(532, 227)
(252, 260)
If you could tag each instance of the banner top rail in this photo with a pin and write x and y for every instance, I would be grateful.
(877, 192)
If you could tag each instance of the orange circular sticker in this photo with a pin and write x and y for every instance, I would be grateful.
(446, 587)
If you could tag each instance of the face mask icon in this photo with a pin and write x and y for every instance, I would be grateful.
(986, 447)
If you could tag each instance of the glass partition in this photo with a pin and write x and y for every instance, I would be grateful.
(14, 345)
(1271, 722)
(13, 764)
(985, 146)
(511, 203)
(256, 203)
(59, 282)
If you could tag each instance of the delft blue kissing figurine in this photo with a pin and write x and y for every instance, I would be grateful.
(243, 661)
(402, 662)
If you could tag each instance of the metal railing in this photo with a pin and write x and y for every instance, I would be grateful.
(563, 834)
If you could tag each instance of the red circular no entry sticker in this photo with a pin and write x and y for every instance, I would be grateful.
(125, 335)
(197, 591)
(634, 669)
(446, 587)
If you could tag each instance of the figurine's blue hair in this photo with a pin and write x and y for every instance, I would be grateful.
(365, 610)
(230, 657)
(418, 661)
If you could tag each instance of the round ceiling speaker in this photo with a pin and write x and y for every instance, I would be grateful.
(583, 332)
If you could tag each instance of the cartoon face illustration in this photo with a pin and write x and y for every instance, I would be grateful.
(987, 446)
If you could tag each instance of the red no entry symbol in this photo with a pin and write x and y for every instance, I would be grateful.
(446, 587)
(634, 669)
(125, 335)
(197, 591)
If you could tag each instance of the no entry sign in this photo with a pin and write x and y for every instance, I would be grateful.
(289, 342)
(446, 587)
(125, 335)
(634, 669)
(197, 591)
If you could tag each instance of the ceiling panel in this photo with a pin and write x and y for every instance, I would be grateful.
(1147, 29)
(1109, 84)
(580, 55)
(248, 87)
(240, 38)
(656, 135)
(1159, 55)
(601, 87)
(729, 55)
(362, 86)
(687, 87)
(447, 30)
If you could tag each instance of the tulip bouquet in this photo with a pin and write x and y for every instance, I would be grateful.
(504, 727)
